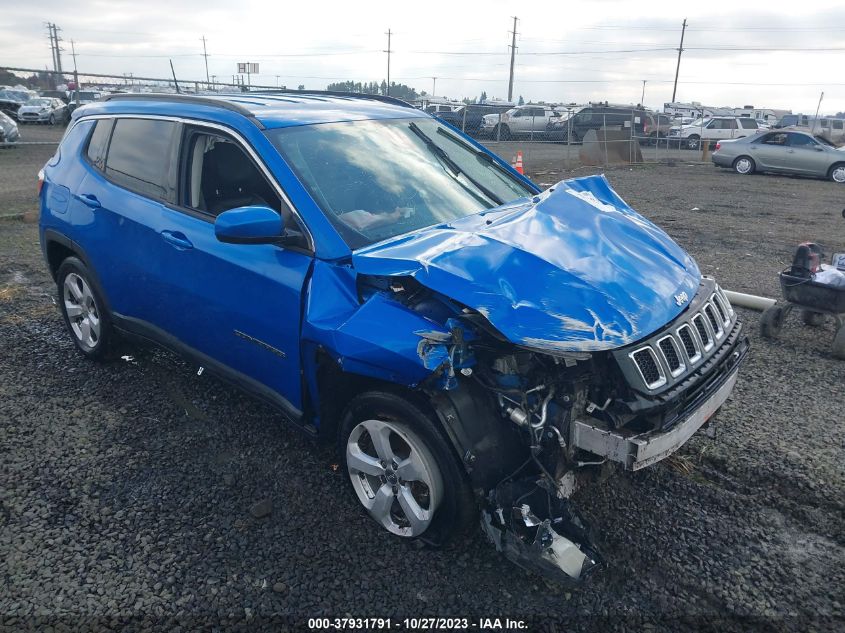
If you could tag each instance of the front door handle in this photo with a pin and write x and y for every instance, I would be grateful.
(89, 200)
(177, 240)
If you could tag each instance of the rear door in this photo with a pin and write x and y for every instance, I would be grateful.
(119, 203)
(771, 151)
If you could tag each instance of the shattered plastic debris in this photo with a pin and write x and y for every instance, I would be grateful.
(539, 532)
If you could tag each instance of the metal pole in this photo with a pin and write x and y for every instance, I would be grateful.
(205, 55)
(513, 55)
(818, 107)
(175, 83)
(387, 90)
(642, 97)
(464, 122)
(678, 67)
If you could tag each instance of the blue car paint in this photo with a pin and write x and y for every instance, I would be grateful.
(248, 223)
(557, 273)
(573, 270)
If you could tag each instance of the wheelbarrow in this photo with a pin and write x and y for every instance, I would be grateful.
(816, 301)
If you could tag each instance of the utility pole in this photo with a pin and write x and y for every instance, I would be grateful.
(75, 73)
(678, 67)
(388, 51)
(513, 55)
(49, 26)
(642, 97)
(56, 39)
(816, 118)
(434, 87)
(205, 54)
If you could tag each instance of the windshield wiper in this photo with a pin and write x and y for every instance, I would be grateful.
(443, 155)
(480, 155)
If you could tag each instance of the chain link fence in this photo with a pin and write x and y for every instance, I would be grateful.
(572, 136)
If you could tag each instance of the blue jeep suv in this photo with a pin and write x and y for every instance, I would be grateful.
(474, 345)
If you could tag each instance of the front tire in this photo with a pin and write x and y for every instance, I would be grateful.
(837, 174)
(693, 142)
(402, 470)
(84, 311)
(744, 165)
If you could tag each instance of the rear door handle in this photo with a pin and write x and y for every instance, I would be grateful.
(89, 200)
(177, 240)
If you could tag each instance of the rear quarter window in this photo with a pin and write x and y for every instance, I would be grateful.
(97, 144)
(139, 155)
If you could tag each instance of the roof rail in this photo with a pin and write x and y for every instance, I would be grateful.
(328, 93)
(196, 99)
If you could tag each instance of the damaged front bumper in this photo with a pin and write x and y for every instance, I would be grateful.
(539, 532)
(639, 450)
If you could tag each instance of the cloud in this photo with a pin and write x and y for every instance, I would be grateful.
(466, 47)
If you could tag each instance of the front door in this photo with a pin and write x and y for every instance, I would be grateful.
(237, 304)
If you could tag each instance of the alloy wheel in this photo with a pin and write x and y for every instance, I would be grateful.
(838, 174)
(394, 476)
(83, 315)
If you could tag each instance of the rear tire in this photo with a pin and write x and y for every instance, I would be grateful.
(381, 471)
(502, 132)
(837, 174)
(744, 165)
(771, 323)
(84, 311)
(813, 319)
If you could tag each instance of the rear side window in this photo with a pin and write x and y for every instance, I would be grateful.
(837, 125)
(139, 155)
(748, 124)
(98, 143)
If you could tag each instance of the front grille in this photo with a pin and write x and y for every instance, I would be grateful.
(649, 367)
(703, 332)
(677, 351)
(671, 355)
(688, 339)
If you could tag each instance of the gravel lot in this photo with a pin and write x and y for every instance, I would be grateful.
(128, 491)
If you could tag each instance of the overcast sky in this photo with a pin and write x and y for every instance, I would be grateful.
(566, 51)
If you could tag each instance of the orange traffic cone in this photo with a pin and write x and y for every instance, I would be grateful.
(518, 165)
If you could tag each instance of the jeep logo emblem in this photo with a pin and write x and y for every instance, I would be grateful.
(681, 299)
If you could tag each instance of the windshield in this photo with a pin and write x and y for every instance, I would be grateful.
(38, 102)
(378, 179)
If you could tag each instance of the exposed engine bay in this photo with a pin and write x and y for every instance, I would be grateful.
(563, 420)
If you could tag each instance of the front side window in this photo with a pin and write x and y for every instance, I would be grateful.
(801, 140)
(139, 155)
(221, 176)
(378, 179)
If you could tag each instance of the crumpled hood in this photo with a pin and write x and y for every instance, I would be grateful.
(574, 269)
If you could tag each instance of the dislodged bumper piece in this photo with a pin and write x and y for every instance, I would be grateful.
(638, 451)
(539, 532)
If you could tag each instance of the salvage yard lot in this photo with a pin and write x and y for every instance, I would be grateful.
(126, 489)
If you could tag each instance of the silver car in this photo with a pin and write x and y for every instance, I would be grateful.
(785, 152)
(8, 130)
(43, 110)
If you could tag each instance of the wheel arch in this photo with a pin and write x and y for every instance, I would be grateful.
(485, 445)
(58, 247)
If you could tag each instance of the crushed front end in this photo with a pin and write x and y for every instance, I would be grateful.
(564, 338)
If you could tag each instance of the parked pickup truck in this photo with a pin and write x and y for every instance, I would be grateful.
(477, 348)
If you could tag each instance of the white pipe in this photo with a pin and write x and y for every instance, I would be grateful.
(749, 301)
